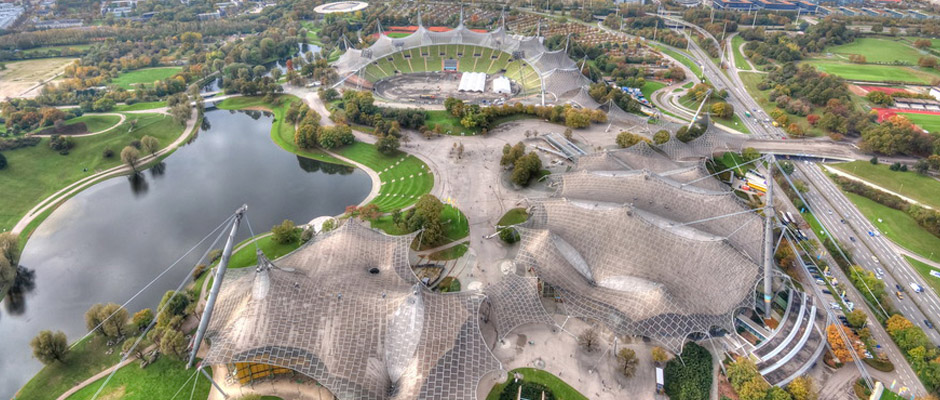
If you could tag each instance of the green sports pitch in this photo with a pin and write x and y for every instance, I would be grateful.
(874, 72)
(469, 59)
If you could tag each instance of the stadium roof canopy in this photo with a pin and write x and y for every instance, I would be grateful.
(346, 310)
(560, 75)
(643, 253)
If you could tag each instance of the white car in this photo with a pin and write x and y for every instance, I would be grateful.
(835, 306)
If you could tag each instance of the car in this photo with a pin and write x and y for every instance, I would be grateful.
(875, 259)
(917, 288)
(826, 291)
(879, 271)
(852, 238)
(820, 282)
(850, 305)
(835, 306)
(842, 221)
(870, 233)
(900, 295)
(898, 286)
(928, 324)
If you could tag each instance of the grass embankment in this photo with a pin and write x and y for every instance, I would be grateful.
(649, 87)
(453, 220)
(84, 361)
(874, 72)
(559, 388)
(160, 380)
(147, 105)
(404, 178)
(924, 271)
(740, 61)
(96, 123)
(37, 172)
(898, 226)
(513, 217)
(145, 76)
(450, 253)
(733, 160)
(923, 189)
(29, 53)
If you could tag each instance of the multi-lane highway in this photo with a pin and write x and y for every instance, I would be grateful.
(847, 225)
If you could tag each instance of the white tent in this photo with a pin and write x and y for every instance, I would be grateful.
(472, 82)
(502, 85)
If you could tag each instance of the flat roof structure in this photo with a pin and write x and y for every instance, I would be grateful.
(472, 82)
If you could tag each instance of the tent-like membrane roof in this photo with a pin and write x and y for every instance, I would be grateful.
(346, 310)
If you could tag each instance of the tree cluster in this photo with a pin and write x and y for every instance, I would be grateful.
(917, 348)
(689, 376)
(524, 166)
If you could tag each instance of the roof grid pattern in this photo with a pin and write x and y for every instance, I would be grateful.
(513, 302)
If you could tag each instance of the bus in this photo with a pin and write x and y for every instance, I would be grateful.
(756, 181)
(748, 114)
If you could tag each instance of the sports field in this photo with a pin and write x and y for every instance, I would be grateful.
(651, 86)
(931, 123)
(879, 50)
(875, 73)
(145, 76)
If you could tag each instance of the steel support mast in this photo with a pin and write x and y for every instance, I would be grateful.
(216, 284)
(769, 239)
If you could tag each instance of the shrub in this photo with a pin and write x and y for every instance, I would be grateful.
(60, 143)
(107, 152)
(198, 271)
(3, 161)
(690, 378)
(509, 235)
(284, 233)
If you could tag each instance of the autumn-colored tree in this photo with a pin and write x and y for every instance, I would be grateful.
(803, 388)
(922, 43)
(795, 130)
(659, 355)
(841, 349)
(812, 119)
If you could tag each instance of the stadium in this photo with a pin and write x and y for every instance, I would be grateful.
(428, 66)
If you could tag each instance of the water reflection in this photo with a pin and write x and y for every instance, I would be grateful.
(25, 282)
(105, 243)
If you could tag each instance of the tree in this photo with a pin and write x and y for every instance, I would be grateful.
(108, 320)
(285, 233)
(589, 339)
(511, 154)
(626, 139)
(150, 144)
(130, 156)
(660, 137)
(856, 318)
(387, 144)
(795, 130)
(525, 168)
(749, 154)
(142, 318)
(49, 347)
(922, 43)
(874, 160)
(659, 355)
(568, 133)
(689, 376)
(722, 110)
(927, 62)
(9, 259)
(627, 361)
(842, 350)
(813, 119)
(3, 161)
(803, 388)
(173, 343)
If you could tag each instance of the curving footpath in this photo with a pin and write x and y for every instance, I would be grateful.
(70, 190)
(121, 121)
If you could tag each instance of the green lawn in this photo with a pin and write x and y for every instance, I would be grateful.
(513, 217)
(732, 160)
(874, 73)
(146, 76)
(72, 47)
(456, 225)
(85, 360)
(559, 388)
(734, 122)
(931, 123)
(651, 86)
(739, 59)
(451, 253)
(140, 106)
(404, 177)
(878, 50)
(95, 123)
(398, 35)
(448, 123)
(160, 380)
(924, 271)
(247, 256)
(921, 188)
(37, 172)
(899, 227)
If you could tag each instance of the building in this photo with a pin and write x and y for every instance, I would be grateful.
(9, 14)
(733, 4)
(209, 16)
(502, 85)
(59, 24)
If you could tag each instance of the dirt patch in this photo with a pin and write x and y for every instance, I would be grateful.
(73, 129)
(21, 76)
(256, 108)
(857, 90)
(116, 394)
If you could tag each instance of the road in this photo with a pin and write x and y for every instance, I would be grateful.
(823, 195)
(870, 252)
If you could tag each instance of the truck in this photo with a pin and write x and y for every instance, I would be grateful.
(916, 288)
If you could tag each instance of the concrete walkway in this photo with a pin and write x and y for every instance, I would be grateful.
(869, 184)
(101, 374)
(70, 190)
